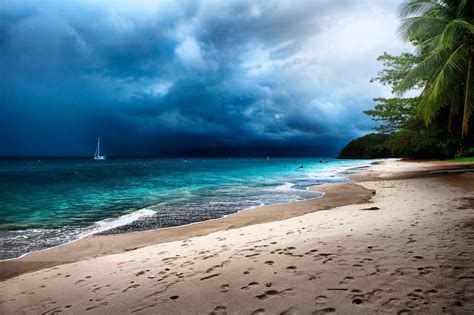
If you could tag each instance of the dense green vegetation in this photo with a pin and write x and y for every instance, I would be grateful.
(369, 146)
(467, 159)
(437, 123)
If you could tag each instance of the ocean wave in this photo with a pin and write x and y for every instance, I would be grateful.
(17, 243)
(286, 186)
(111, 223)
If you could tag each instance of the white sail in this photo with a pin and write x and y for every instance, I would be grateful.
(97, 155)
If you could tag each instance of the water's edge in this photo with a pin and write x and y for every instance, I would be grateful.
(99, 228)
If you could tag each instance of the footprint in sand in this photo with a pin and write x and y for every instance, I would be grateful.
(270, 293)
(211, 276)
(131, 287)
(432, 291)
(323, 311)
(213, 268)
(269, 262)
(321, 300)
(392, 302)
(260, 311)
(311, 252)
(314, 277)
(101, 287)
(219, 310)
(346, 280)
(416, 298)
(371, 208)
(267, 294)
(290, 311)
(252, 255)
(224, 288)
(248, 286)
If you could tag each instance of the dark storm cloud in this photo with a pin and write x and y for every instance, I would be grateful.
(188, 77)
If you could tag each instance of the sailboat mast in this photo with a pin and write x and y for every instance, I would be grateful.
(97, 155)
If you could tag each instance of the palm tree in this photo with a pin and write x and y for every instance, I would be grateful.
(443, 33)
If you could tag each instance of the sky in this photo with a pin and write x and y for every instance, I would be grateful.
(190, 78)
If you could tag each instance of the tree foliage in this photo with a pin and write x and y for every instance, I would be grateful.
(394, 113)
(370, 146)
(438, 123)
(403, 132)
(395, 69)
(443, 33)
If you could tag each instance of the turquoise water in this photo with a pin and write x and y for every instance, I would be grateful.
(44, 203)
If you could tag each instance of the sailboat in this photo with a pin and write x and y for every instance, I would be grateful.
(97, 155)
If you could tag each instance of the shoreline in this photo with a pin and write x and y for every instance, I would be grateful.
(99, 234)
(406, 249)
(93, 246)
(100, 245)
(98, 231)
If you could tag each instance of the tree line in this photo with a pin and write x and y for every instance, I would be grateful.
(437, 123)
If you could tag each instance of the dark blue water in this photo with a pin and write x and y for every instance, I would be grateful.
(44, 203)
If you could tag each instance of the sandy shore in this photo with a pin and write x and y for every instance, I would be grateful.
(407, 249)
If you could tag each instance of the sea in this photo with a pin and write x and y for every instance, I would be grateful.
(48, 202)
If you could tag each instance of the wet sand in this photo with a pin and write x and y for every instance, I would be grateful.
(407, 249)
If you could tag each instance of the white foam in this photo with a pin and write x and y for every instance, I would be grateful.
(99, 226)
(284, 187)
(111, 223)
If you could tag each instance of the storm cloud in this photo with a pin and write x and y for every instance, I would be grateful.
(189, 78)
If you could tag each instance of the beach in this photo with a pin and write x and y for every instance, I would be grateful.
(398, 239)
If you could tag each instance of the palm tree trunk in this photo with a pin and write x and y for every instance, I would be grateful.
(467, 100)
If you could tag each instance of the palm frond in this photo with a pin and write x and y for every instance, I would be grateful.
(418, 7)
(425, 69)
(427, 109)
(463, 24)
(453, 32)
(453, 113)
(442, 32)
(421, 28)
(439, 91)
(429, 44)
(463, 7)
